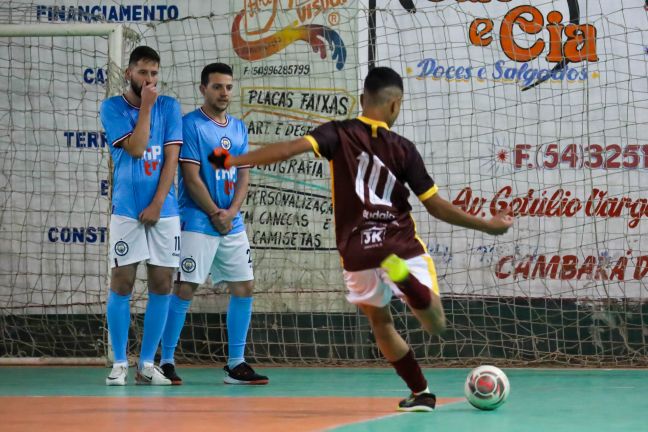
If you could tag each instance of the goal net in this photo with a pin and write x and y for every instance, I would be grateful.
(532, 106)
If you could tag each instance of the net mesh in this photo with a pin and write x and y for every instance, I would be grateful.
(498, 123)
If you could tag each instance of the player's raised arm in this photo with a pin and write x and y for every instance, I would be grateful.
(135, 145)
(266, 155)
(447, 212)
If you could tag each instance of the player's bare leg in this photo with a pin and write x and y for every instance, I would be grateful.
(390, 343)
(160, 279)
(185, 290)
(401, 357)
(122, 279)
(432, 319)
(239, 314)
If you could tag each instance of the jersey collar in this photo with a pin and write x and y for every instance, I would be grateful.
(218, 123)
(375, 124)
(128, 103)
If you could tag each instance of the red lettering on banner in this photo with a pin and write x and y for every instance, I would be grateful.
(560, 203)
(641, 268)
(568, 267)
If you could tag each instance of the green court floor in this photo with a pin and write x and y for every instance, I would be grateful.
(541, 399)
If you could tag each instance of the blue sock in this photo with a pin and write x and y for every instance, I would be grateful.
(239, 313)
(118, 318)
(155, 318)
(174, 323)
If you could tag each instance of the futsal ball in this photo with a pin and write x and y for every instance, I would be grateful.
(487, 387)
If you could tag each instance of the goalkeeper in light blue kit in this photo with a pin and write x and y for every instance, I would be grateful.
(144, 131)
(213, 235)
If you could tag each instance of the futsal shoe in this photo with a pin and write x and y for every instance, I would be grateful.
(245, 375)
(424, 402)
(395, 267)
(169, 371)
(118, 375)
(151, 375)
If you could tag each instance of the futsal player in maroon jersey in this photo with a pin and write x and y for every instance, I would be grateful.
(371, 169)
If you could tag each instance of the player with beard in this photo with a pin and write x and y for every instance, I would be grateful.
(145, 135)
(213, 235)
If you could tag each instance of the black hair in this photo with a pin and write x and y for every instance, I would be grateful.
(211, 68)
(143, 53)
(380, 78)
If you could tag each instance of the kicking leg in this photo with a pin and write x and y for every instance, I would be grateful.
(423, 300)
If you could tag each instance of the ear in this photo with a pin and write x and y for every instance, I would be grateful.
(393, 106)
(127, 74)
(362, 100)
(202, 89)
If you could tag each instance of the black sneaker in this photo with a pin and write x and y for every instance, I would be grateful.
(170, 373)
(244, 374)
(424, 402)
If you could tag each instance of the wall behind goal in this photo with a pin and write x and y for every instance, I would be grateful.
(536, 107)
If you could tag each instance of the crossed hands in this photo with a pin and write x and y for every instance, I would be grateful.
(221, 219)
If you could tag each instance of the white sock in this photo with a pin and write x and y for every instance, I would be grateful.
(427, 390)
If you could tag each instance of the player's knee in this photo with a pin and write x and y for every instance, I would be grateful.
(160, 280)
(185, 290)
(242, 289)
(161, 287)
(121, 287)
(382, 324)
(437, 324)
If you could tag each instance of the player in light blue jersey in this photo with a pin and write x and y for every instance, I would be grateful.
(213, 234)
(145, 135)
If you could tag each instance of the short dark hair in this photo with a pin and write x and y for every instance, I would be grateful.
(211, 68)
(143, 53)
(380, 78)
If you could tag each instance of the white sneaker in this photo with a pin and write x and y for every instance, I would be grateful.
(118, 375)
(151, 375)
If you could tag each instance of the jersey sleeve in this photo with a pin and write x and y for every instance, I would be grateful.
(325, 140)
(417, 176)
(189, 152)
(245, 145)
(173, 124)
(115, 122)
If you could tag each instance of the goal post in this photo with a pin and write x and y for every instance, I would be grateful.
(54, 271)
(538, 107)
(114, 32)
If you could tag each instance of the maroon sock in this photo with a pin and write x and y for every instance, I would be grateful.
(418, 295)
(410, 371)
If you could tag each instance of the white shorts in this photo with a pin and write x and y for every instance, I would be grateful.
(373, 287)
(132, 242)
(227, 258)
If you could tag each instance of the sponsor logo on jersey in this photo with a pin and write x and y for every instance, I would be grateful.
(373, 237)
